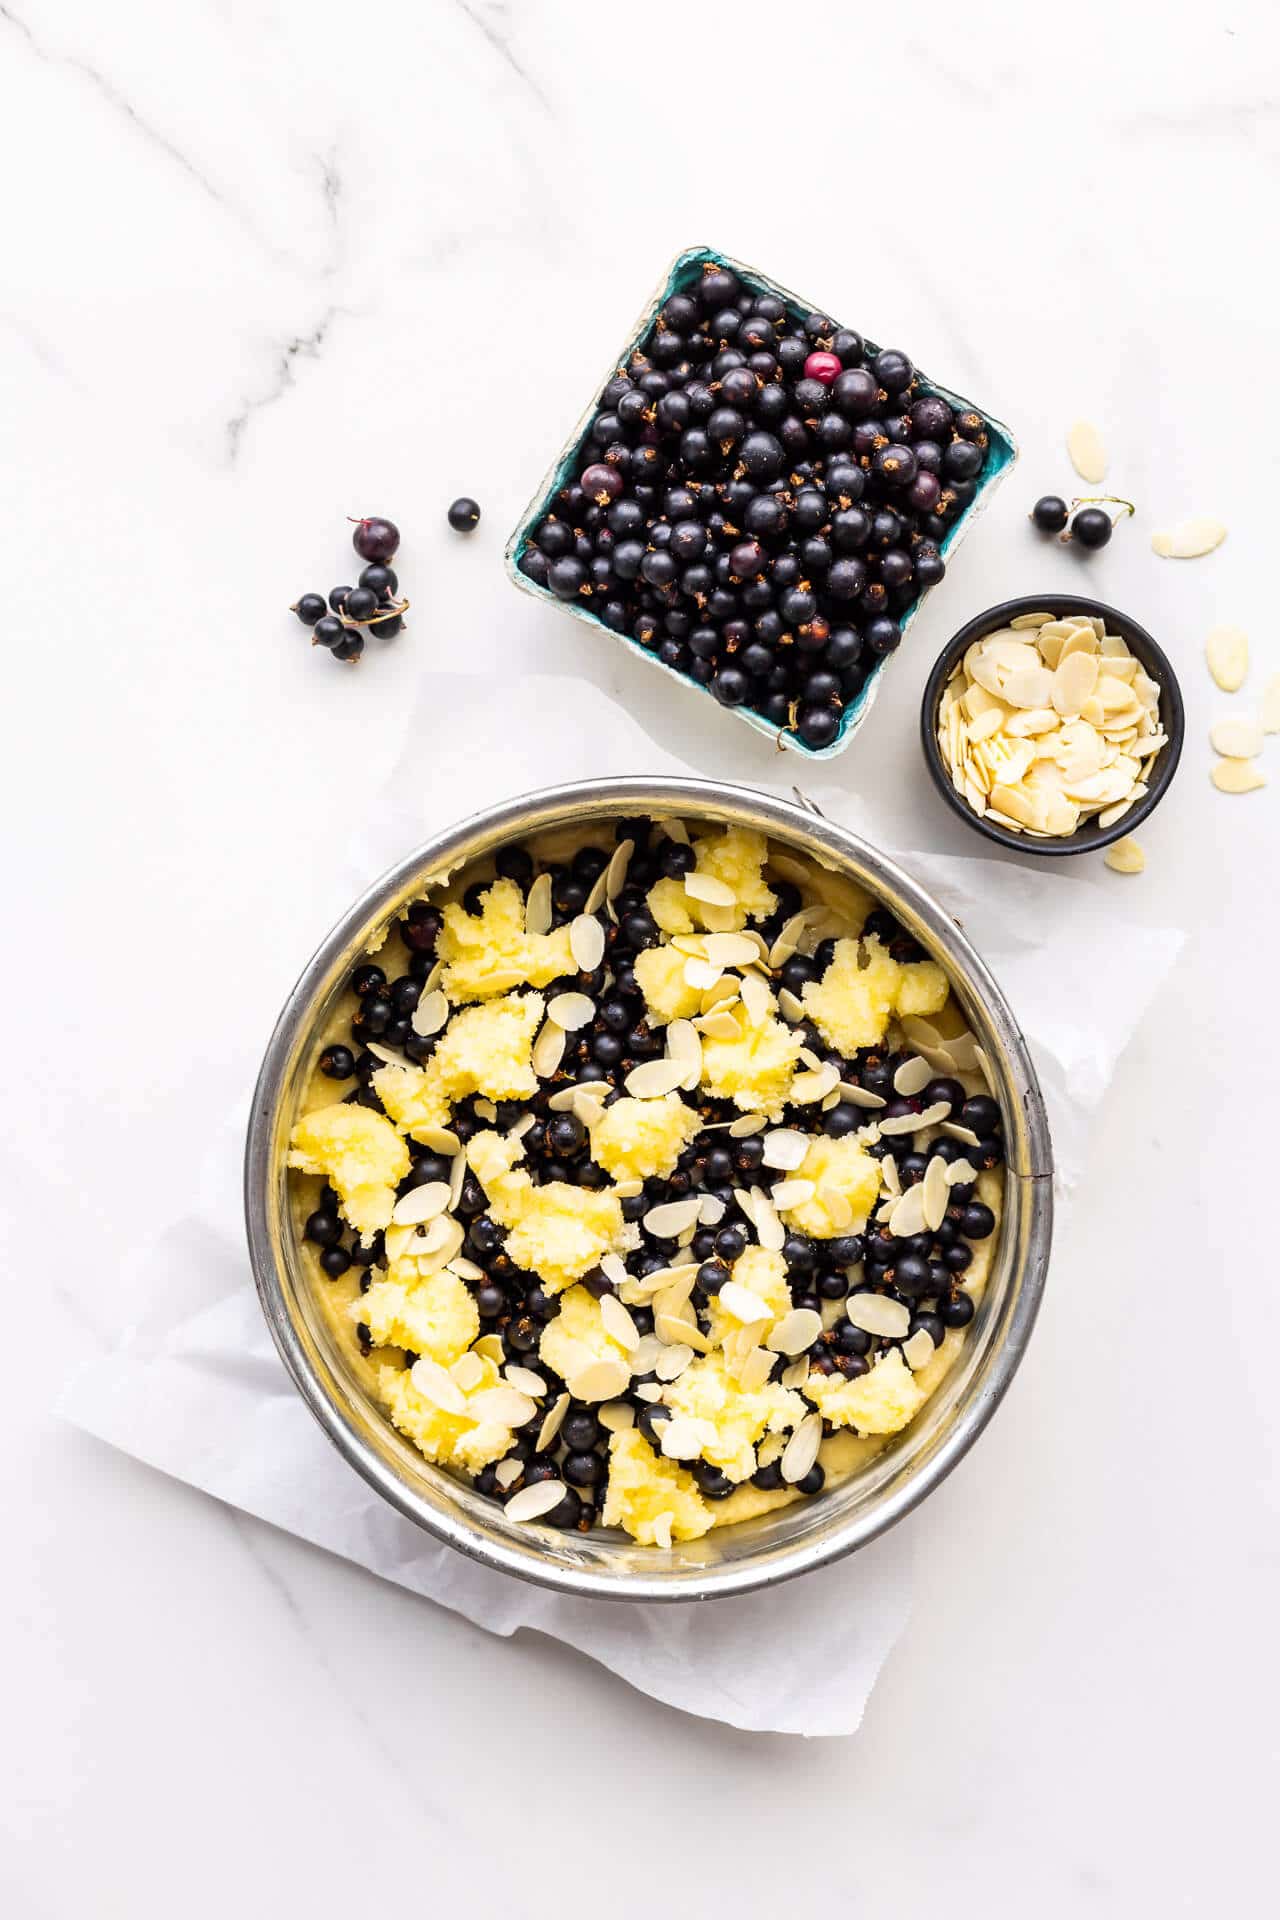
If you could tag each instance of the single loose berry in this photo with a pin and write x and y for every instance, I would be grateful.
(1049, 513)
(464, 514)
(375, 538)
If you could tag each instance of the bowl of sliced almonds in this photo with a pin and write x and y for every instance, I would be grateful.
(1052, 724)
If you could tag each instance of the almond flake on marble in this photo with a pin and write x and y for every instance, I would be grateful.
(1189, 539)
(1237, 776)
(1227, 652)
(1236, 736)
(1125, 856)
(1269, 711)
(1086, 452)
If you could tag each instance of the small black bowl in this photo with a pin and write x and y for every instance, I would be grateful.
(1089, 836)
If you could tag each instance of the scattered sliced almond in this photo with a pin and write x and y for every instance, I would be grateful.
(671, 1362)
(548, 1050)
(503, 1405)
(1125, 856)
(586, 942)
(1236, 737)
(875, 1313)
(532, 1502)
(1227, 652)
(784, 1148)
(508, 1471)
(672, 1217)
(615, 1416)
(795, 1332)
(1189, 539)
(801, 1450)
(1270, 709)
(912, 1077)
(430, 1015)
(654, 1078)
(919, 1350)
(707, 888)
(601, 1380)
(421, 1204)
(1086, 452)
(618, 1324)
(523, 1379)
(1237, 776)
(553, 1422)
(537, 908)
(571, 1010)
(435, 1384)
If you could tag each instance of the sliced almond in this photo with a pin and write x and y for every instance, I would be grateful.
(912, 1077)
(532, 1502)
(548, 1050)
(430, 1015)
(586, 942)
(731, 949)
(684, 1047)
(571, 1010)
(671, 1361)
(919, 1350)
(784, 1148)
(523, 1379)
(801, 1450)
(1125, 856)
(434, 1383)
(681, 1438)
(935, 1191)
(615, 1416)
(421, 1204)
(876, 1314)
(706, 887)
(537, 908)
(600, 1380)
(1086, 452)
(672, 1217)
(1270, 708)
(795, 1332)
(1227, 652)
(654, 1078)
(1236, 737)
(1189, 539)
(1237, 776)
(503, 1405)
(553, 1422)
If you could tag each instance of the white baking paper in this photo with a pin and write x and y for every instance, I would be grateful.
(196, 1389)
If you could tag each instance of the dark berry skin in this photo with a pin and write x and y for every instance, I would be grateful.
(375, 538)
(1049, 513)
(310, 608)
(1091, 528)
(464, 514)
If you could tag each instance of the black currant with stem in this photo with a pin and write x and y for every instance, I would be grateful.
(1091, 525)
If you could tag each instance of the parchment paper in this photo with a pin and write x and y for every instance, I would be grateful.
(195, 1388)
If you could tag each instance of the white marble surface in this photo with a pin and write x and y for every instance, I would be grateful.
(265, 266)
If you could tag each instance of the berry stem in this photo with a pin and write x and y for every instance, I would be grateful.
(1105, 499)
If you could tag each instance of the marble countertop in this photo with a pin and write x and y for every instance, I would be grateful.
(268, 266)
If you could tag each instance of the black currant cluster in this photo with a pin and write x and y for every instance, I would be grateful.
(925, 1271)
(1086, 523)
(371, 606)
(759, 500)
